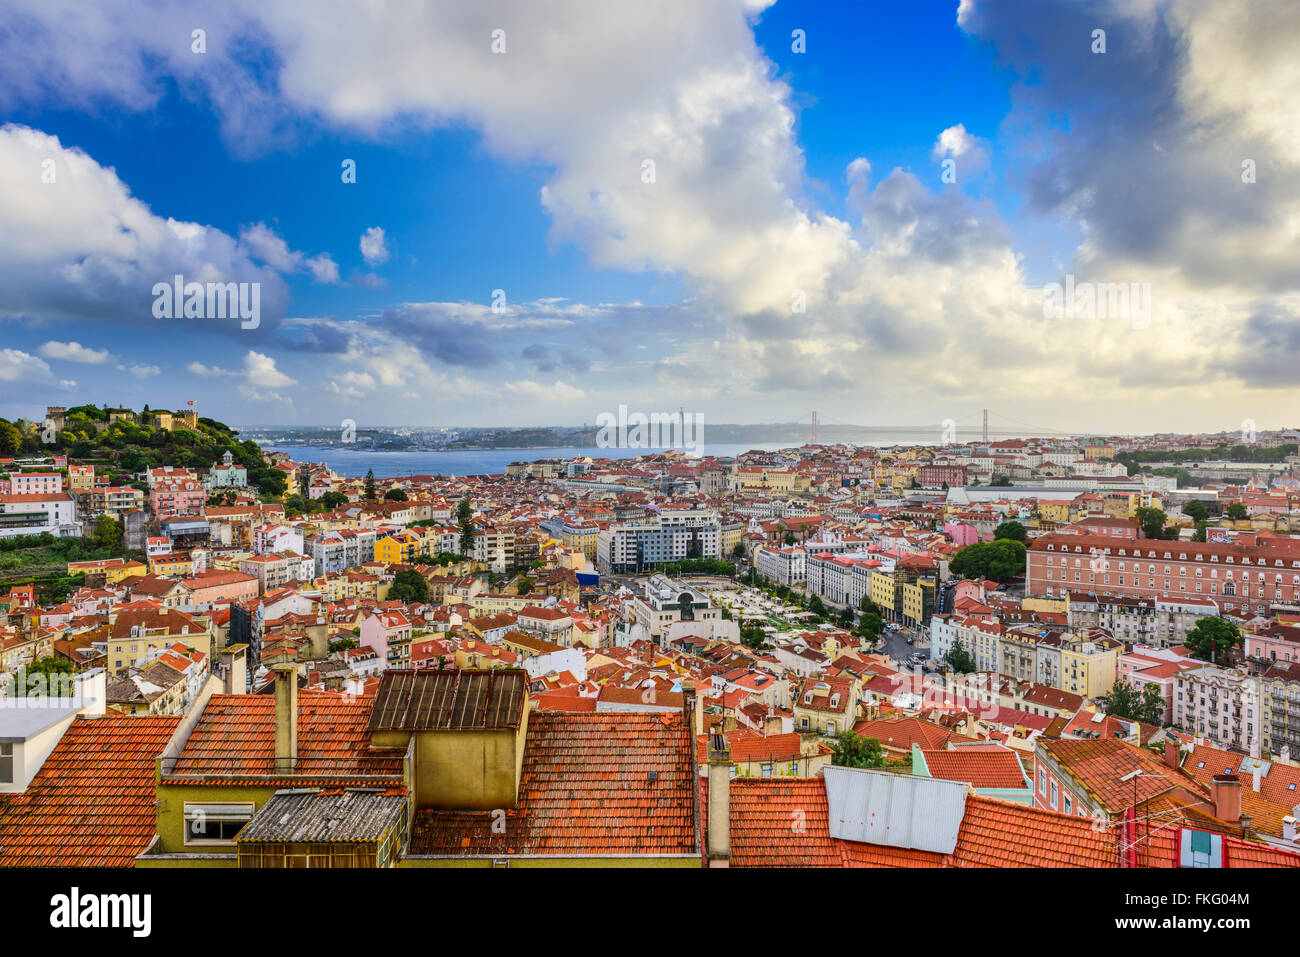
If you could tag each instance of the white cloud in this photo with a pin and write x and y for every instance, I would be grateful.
(353, 385)
(323, 268)
(18, 366)
(142, 371)
(373, 247)
(82, 247)
(262, 243)
(207, 372)
(74, 352)
(557, 391)
(260, 371)
(927, 286)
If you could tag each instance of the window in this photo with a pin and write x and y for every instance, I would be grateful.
(1042, 781)
(766, 770)
(215, 823)
(1052, 800)
(1069, 805)
(6, 764)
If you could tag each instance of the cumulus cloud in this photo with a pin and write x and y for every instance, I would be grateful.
(82, 247)
(18, 366)
(141, 371)
(373, 246)
(207, 372)
(557, 391)
(681, 158)
(260, 371)
(74, 352)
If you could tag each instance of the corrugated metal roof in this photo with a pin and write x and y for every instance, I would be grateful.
(313, 817)
(897, 810)
(466, 699)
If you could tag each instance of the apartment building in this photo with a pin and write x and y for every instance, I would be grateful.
(35, 483)
(631, 547)
(171, 499)
(341, 549)
(1221, 705)
(1244, 576)
(1162, 622)
(1280, 710)
(52, 512)
(784, 566)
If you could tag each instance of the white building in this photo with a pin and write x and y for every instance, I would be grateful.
(52, 512)
(1220, 705)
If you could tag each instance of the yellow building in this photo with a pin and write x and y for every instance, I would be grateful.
(421, 786)
(1089, 665)
(883, 591)
(1050, 511)
(399, 549)
(114, 570)
(767, 480)
(178, 565)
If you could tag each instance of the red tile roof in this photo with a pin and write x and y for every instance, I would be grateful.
(236, 736)
(784, 823)
(902, 733)
(982, 769)
(585, 789)
(92, 802)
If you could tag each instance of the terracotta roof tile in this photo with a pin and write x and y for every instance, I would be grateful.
(609, 783)
(92, 802)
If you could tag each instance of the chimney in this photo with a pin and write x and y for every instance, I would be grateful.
(1289, 829)
(1173, 756)
(719, 849)
(688, 708)
(286, 718)
(1226, 791)
(1254, 779)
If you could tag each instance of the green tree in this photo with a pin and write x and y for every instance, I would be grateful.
(409, 586)
(851, 750)
(465, 518)
(1125, 701)
(1152, 521)
(1212, 638)
(39, 678)
(11, 440)
(959, 659)
(1237, 512)
(107, 533)
(370, 485)
(342, 644)
(1002, 559)
(1196, 510)
(525, 585)
(752, 635)
(870, 625)
(1011, 530)
(396, 495)
(333, 500)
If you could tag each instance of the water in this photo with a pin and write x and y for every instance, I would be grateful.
(354, 462)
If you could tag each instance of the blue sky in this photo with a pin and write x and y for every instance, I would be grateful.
(779, 174)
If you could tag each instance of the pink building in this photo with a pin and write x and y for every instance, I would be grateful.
(1147, 664)
(35, 483)
(961, 533)
(1274, 642)
(218, 587)
(174, 499)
